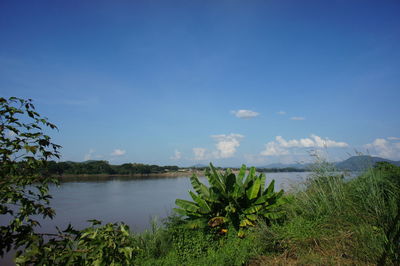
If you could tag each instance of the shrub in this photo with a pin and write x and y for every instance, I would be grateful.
(236, 200)
(111, 244)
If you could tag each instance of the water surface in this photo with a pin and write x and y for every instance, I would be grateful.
(134, 201)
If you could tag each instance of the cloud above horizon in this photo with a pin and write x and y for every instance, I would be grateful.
(281, 113)
(384, 148)
(245, 114)
(226, 146)
(118, 152)
(282, 147)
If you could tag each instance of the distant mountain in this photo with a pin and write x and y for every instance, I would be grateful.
(354, 163)
(281, 165)
(362, 162)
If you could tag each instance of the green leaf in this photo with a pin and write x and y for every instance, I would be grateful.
(263, 199)
(253, 209)
(230, 182)
(215, 179)
(31, 149)
(240, 176)
(245, 223)
(252, 192)
(180, 211)
(250, 176)
(252, 217)
(263, 178)
(270, 189)
(200, 188)
(187, 205)
(204, 208)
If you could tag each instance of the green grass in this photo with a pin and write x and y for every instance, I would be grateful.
(176, 244)
(351, 222)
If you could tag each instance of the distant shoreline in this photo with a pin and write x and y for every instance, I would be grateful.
(173, 174)
(167, 174)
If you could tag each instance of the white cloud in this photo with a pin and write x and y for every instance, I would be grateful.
(298, 118)
(226, 144)
(89, 155)
(200, 154)
(281, 113)
(118, 152)
(177, 155)
(273, 149)
(281, 146)
(245, 114)
(383, 148)
(313, 142)
(393, 138)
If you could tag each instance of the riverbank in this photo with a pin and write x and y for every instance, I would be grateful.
(172, 174)
(165, 174)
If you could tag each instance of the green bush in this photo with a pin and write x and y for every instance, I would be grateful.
(111, 244)
(231, 200)
(204, 247)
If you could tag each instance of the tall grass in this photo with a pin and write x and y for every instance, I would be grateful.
(349, 221)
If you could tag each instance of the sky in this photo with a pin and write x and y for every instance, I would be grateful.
(193, 82)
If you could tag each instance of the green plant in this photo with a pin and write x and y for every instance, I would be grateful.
(111, 244)
(236, 200)
(24, 152)
(349, 219)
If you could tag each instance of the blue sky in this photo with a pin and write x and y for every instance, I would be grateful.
(187, 82)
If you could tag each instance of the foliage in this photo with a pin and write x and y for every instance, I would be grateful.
(231, 200)
(95, 167)
(111, 244)
(184, 246)
(24, 150)
(379, 204)
(352, 221)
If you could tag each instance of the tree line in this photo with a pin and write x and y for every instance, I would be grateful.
(97, 167)
(104, 167)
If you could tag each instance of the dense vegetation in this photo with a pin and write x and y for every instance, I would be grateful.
(237, 201)
(328, 221)
(103, 167)
(98, 167)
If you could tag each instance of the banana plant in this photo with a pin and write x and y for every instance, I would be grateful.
(237, 200)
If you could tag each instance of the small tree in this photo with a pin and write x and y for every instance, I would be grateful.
(24, 152)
